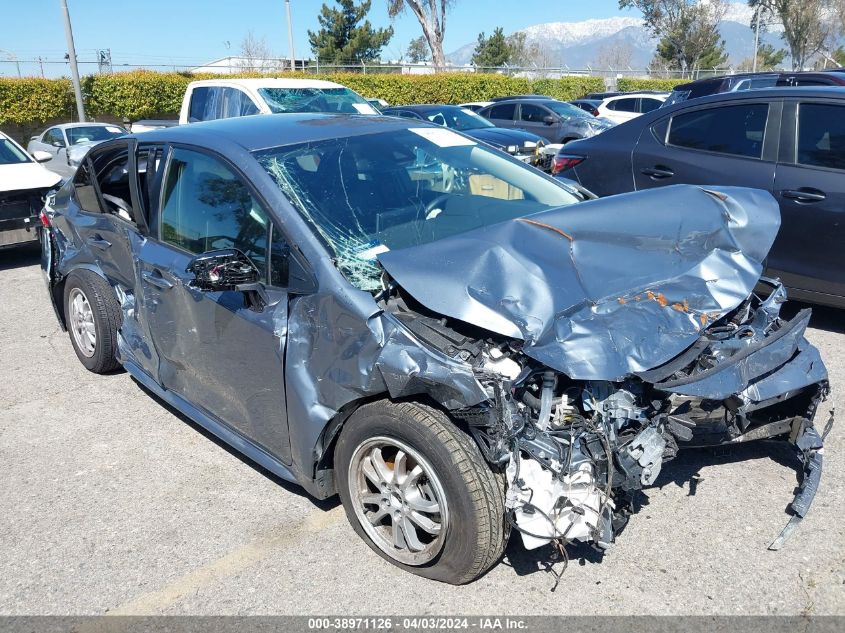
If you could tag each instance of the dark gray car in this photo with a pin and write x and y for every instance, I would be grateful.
(396, 313)
(556, 121)
(788, 141)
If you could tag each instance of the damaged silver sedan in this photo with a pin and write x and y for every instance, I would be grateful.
(451, 341)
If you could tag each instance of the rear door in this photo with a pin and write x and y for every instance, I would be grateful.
(726, 144)
(810, 187)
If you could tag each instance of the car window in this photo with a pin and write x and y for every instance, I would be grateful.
(10, 153)
(340, 99)
(623, 105)
(53, 136)
(234, 103)
(821, 135)
(504, 111)
(532, 113)
(83, 189)
(736, 129)
(93, 133)
(199, 97)
(648, 104)
(219, 102)
(206, 207)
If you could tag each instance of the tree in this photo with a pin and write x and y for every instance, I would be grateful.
(418, 50)
(432, 18)
(346, 36)
(769, 58)
(255, 55)
(493, 51)
(525, 53)
(688, 30)
(808, 25)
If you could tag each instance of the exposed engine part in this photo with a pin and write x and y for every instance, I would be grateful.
(576, 451)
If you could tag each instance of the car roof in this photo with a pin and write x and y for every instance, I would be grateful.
(422, 106)
(762, 93)
(263, 131)
(644, 93)
(67, 126)
(268, 82)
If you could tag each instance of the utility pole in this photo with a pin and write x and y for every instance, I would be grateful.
(290, 38)
(74, 70)
(756, 39)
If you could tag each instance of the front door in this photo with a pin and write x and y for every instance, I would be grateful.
(218, 350)
(810, 187)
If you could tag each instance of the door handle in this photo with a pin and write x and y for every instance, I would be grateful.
(154, 278)
(658, 173)
(98, 242)
(804, 195)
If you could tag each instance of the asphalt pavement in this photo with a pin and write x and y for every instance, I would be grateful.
(110, 502)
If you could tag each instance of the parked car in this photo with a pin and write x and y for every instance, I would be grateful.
(788, 141)
(588, 105)
(518, 143)
(475, 106)
(630, 105)
(509, 98)
(753, 81)
(67, 143)
(556, 121)
(396, 313)
(212, 99)
(24, 183)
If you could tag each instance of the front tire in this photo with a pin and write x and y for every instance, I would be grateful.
(417, 490)
(92, 315)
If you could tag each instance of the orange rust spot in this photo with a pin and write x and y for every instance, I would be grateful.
(703, 318)
(622, 300)
(649, 295)
(638, 298)
(681, 307)
(547, 226)
(661, 299)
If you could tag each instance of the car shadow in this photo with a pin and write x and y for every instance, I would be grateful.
(20, 256)
(322, 504)
(684, 469)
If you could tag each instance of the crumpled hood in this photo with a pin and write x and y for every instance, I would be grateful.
(22, 176)
(602, 289)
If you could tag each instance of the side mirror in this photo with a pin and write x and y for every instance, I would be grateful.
(227, 269)
(58, 144)
(549, 120)
(41, 156)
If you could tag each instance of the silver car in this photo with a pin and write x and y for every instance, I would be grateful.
(68, 143)
(556, 121)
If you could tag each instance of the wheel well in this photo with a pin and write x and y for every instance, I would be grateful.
(331, 432)
(569, 138)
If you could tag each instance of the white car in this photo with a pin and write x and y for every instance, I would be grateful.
(212, 99)
(475, 106)
(629, 106)
(68, 143)
(23, 185)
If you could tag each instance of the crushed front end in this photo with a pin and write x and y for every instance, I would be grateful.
(575, 451)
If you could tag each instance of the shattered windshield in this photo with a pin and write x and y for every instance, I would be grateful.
(456, 118)
(368, 194)
(567, 110)
(342, 100)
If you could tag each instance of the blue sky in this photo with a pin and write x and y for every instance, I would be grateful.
(184, 32)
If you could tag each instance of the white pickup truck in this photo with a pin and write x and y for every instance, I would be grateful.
(224, 98)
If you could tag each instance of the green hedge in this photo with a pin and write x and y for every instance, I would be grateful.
(627, 84)
(143, 94)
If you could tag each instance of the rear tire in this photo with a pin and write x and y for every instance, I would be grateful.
(450, 517)
(92, 315)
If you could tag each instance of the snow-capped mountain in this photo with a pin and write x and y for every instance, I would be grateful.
(586, 43)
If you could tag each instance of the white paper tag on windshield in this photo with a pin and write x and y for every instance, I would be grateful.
(441, 136)
(364, 108)
(371, 253)
(114, 129)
